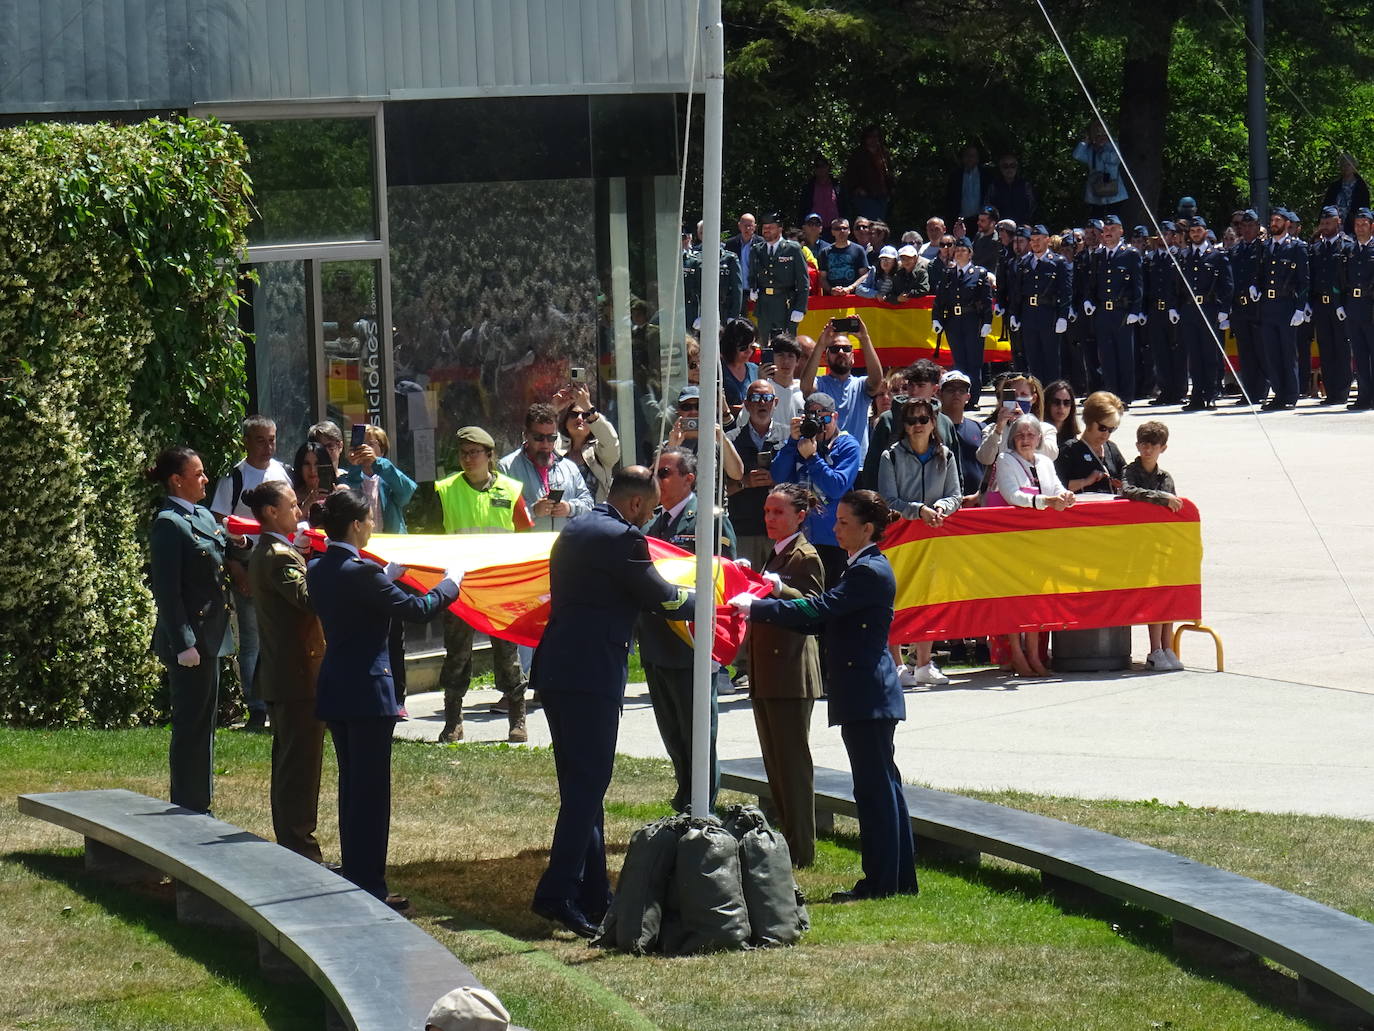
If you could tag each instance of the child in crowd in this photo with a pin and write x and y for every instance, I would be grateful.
(1144, 480)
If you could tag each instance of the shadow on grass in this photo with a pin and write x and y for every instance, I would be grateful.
(227, 956)
(1144, 928)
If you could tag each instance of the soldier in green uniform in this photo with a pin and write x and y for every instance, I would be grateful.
(778, 282)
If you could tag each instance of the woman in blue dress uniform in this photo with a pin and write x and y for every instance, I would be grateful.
(189, 585)
(865, 698)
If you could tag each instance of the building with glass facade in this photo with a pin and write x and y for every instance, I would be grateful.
(458, 201)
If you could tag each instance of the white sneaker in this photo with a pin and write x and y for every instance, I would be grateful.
(906, 676)
(929, 674)
(1159, 660)
(1177, 662)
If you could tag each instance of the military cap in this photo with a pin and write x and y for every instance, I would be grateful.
(964, 242)
(1111, 220)
(1330, 211)
(772, 218)
(1284, 213)
(1140, 231)
(1364, 213)
(813, 217)
(1197, 222)
(1096, 223)
(1038, 230)
(1023, 232)
(1008, 224)
(1169, 225)
(1249, 215)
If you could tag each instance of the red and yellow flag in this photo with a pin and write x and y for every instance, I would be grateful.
(902, 333)
(1006, 569)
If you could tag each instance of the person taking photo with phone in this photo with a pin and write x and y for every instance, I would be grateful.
(852, 394)
(553, 486)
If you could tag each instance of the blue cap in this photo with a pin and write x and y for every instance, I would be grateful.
(1249, 215)
(964, 241)
(1111, 220)
(1186, 202)
(1331, 212)
(1140, 231)
(1023, 232)
(1285, 213)
(813, 217)
(1038, 230)
(1168, 225)
(688, 392)
(1096, 223)
(1364, 213)
(1197, 222)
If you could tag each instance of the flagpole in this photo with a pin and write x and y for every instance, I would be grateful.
(707, 534)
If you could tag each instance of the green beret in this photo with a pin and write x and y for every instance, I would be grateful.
(476, 435)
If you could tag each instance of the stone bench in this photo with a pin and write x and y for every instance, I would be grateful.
(377, 970)
(1217, 916)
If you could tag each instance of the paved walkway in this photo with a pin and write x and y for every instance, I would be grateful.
(1285, 729)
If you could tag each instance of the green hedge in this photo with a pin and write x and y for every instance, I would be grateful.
(118, 335)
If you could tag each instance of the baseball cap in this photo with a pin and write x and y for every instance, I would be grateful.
(813, 217)
(468, 1009)
(888, 251)
(955, 376)
(687, 393)
(907, 251)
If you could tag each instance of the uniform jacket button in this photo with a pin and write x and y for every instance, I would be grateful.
(776, 652)
(849, 663)
(386, 671)
(863, 626)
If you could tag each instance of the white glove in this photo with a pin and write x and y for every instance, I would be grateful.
(935, 325)
(1223, 317)
(753, 295)
(190, 657)
(696, 323)
(987, 329)
(1307, 313)
(797, 316)
(776, 581)
(1225, 322)
(1297, 319)
(1015, 323)
(456, 576)
(1340, 313)
(1254, 293)
(1131, 320)
(1061, 325)
(744, 563)
(1089, 307)
(1173, 316)
(742, 603)
(394, 570)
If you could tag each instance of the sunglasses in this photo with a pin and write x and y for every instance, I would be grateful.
(666, 472)
(577, 413)
(544, 438)
(946, 246)
(839, 229)
(916, 420)
(762, 399)
(1109, 430)
(824, 418)
(1066, 402)
(840, 348)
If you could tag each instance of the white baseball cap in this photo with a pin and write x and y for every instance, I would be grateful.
(468, 1009)
(955, 376)
(888, 252)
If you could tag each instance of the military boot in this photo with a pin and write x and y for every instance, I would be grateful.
(518, 734)
(453, 721)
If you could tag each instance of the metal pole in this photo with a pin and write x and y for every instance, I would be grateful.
(714, 65)
(1257, 115)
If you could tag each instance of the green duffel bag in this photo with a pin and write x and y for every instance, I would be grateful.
(708, 910)
(635, 919)
(777, 915)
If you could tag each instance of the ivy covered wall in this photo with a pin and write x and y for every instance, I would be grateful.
(118, 335)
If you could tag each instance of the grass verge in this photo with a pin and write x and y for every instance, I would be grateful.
(980, 948)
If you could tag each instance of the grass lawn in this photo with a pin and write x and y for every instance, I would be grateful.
(980, 948)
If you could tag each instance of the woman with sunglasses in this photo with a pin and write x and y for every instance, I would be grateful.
(1093, 463)
(918, 477)
(589, 440)
(1061, 411)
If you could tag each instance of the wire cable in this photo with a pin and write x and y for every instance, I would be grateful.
(1097, 112)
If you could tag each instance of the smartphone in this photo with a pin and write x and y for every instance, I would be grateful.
(766, 355)
(765, 459)
(690, 425)
(555, 495)
(326, 472)
(849, 324)
(577, 375)
(1012, 405)
(359, 434)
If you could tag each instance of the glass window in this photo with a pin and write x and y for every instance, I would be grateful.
(281, 351)
(312, 180)
(352, 343)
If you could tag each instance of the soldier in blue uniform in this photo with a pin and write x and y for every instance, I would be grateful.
(1200, 306)
(1044, 292)
(1359, 308)
(1245, 270)
(963, 309)
(778, 281)
(1327, 260)
(1171, 375)
(1282, 296)
(1115, 296)
(1084, 269)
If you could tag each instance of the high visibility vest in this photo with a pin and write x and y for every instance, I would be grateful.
(469, 510)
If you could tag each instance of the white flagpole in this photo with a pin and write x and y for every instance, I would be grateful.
(707, 534)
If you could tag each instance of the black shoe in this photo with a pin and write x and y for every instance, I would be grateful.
(1194, 406)
(847, 895)
(1324, 402)
(257, 720)
(565, 913)
(1274, 405)
(1240, 402)
(1359, 406)
(1210, 406)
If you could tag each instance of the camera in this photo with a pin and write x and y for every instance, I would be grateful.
(690, 425)
(809, 428)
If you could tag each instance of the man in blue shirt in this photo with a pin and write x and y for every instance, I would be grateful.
(851, 393)
(843, 264)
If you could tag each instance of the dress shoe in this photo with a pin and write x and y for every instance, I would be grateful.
(397, 902)
(1324, 402)
(846, 895)
(257, 720)
(565, 913)
(1195, 405)
(1273, 405)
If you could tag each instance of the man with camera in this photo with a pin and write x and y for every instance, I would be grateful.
(852, 394)
(826, 458)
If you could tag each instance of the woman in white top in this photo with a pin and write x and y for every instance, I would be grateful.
(589, 440)
(1026, 478)
(1017, 395)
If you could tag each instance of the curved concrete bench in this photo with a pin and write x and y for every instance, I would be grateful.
(377, 970)
(1217, 916)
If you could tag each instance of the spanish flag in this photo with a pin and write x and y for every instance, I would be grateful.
(901, 333)
(1004, 570)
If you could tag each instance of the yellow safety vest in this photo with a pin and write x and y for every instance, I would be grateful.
(469, 510)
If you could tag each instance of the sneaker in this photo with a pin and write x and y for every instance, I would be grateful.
(1173, 659)
(906, 676)
(1159, 660)
(929, 674)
